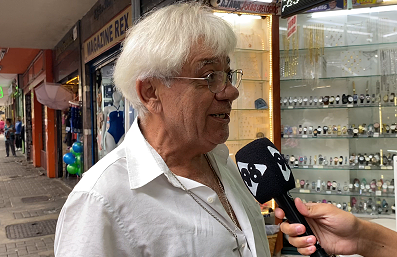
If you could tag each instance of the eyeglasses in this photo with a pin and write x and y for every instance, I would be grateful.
(217, 80)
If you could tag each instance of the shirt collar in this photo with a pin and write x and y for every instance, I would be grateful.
(144, 164)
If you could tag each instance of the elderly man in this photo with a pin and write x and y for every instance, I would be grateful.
(170, 189)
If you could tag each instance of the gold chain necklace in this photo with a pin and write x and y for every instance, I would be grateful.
(229, 207)
(238, 248)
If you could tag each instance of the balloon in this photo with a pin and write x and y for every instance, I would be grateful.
(78, 159)
(72, 151)
(77, 147)
(72, 169)
(69, 158)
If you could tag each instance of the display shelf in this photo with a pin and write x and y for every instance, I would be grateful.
(250, 109)
(254, 80)
(349, 194)
(340, 167)
(338, 137)
(338, 106)
(362, 47)
(331, 78)
(375, 216)
(251, 50)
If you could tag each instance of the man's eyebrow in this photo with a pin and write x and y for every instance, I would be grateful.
(206, 61)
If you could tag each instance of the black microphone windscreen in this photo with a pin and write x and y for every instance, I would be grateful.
(264, 171)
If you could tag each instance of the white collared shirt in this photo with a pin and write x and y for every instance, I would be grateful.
(129, 204)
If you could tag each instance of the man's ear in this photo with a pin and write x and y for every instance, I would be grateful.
(148, 93)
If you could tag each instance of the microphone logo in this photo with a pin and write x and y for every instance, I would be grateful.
(252, 175)
(282, 164)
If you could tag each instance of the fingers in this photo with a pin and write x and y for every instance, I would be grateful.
(279, 213)
(292, 229)
(314, 210)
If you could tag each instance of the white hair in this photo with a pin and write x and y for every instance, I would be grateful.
(159, 45)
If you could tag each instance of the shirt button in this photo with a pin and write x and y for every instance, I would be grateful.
(210, 199)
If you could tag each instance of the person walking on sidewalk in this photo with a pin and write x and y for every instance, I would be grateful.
(9, 135)
(18, 138)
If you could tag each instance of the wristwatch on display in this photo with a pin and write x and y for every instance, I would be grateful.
(355, 132)
(320, 159)
(292, 159)
(315, 133)
(290, 101)
(334, 185)
(355, 96)
(370, 130)
(331, 99)
(360, 129)
(305, 130)
(320, 100)
(285, 101)
(300, 129)
(361, 159)
(349, 99)
(376, 126)
(315, 100)
(311, 100)
(325, 129)
(344, 130)
(393, 128)
(305, 100)
(373, 98)
(302, 183)
(294, 130)
(362, 97)
(310, 130)
(345, 99)
(337, 98)
(386, 98)
(319, 129)
(334, 129)
(335, 160)
(339, 133)
(295, 100)
(368, 98)
(329, 184)
(340, 160)
(326, 100)
(387, 128)
(300, 100)
(367, 159)
(325, 162)
(305, 160)
(300, 160)
(286, 130)
(391, 97)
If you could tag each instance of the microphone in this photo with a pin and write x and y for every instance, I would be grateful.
(267, 175)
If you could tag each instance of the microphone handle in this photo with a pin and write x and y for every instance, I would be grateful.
(286, 202)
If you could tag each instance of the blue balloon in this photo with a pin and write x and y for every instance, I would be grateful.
(77, 147)
(69, 158)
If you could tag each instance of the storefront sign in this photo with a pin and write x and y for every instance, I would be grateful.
(292, 7)
(246, 6)
(292, 25)
(111, 34)
(330, 6)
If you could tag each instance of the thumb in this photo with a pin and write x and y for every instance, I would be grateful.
(312, 210)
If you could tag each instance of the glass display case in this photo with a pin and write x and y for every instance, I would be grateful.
(339, 109)
(252, 112)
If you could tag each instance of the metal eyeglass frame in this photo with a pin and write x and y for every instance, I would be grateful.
(226, 76)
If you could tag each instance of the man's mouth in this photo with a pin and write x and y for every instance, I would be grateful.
(221, 115)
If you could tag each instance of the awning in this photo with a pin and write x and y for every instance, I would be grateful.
(54, 95)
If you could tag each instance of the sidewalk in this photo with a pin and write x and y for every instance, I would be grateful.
(30, 202)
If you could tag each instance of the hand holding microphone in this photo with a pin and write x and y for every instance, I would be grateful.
(267, 175)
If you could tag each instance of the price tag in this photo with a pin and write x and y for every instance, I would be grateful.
(389, 167)
(304, 136)
(320, 167)
(325, 106)
(306, 191)
(383, 168)
(285, 136)
(328, 192)
(361, 167)
(305, 167)
(350, 105)
(367, 167)
(290, 107)
(376, 134)
(378, 193)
